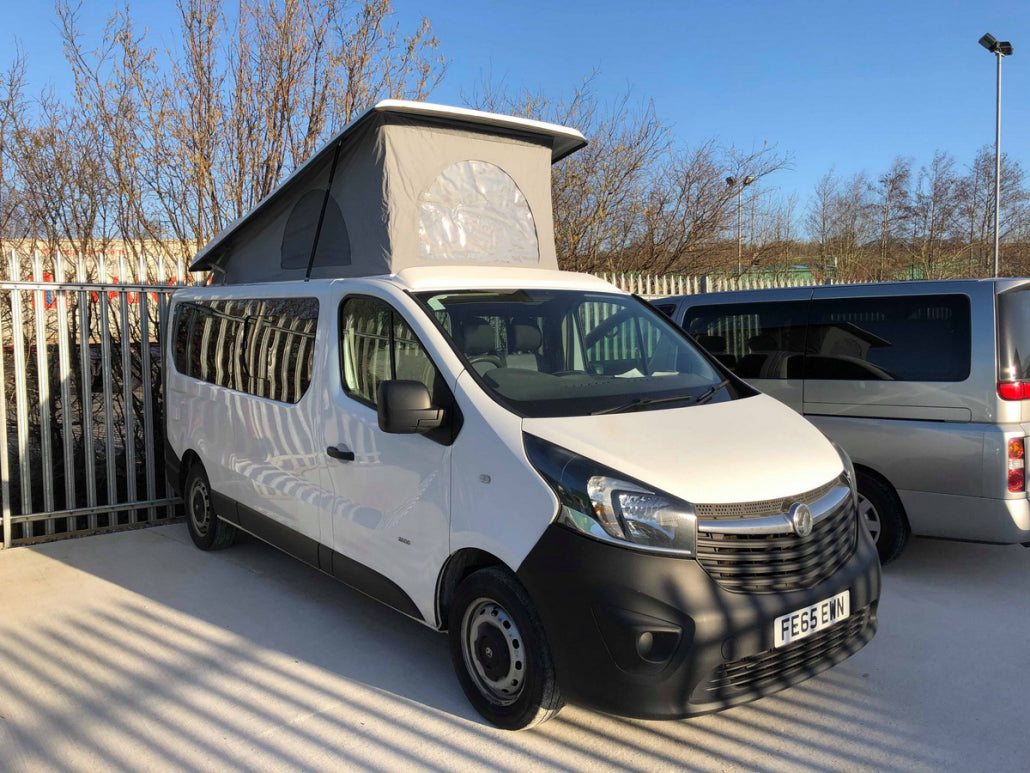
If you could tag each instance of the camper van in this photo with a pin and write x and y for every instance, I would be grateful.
(388, 378)
(922, 383)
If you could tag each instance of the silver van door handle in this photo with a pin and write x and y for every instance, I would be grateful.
(341, 454)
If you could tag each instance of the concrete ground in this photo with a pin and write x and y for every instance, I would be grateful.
(135, 651)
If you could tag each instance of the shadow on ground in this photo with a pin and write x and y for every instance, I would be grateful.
(136, 651)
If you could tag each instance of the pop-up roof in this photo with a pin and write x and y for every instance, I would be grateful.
(406, 184)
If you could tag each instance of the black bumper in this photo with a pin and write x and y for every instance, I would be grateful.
(649, 636)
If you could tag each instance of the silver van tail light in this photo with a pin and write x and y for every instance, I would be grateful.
(1017, 465)
(1014, 390)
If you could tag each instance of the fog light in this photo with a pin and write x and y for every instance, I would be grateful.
(645, 643)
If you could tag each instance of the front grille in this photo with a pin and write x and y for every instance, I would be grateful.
(733, 510)
(770, 670)
(773, 563)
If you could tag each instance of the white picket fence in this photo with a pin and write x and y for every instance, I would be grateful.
(654, 286)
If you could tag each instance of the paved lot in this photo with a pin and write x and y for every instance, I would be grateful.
(135, 651)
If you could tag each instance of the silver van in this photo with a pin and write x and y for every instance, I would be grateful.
(925, 384)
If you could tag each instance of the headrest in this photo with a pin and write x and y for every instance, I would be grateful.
(762, 343)
(712, 343)
(526, 338)
(479, 337)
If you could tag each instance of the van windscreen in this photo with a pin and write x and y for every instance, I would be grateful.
(573, 353)
(1014, 335)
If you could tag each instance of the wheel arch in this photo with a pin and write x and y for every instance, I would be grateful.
(189, 458)
(864, 469)
(458, 566)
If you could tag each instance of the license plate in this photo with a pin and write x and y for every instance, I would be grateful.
(803, 623)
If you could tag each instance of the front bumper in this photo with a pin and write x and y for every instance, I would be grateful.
(655, 637)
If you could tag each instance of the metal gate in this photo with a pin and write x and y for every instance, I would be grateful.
(82, 434)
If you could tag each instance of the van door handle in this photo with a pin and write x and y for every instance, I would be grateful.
(339, 453)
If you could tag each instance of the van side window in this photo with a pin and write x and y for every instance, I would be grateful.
(262, 347)
(181, 336)
(754, 340)
(906, 338)
(376, 345)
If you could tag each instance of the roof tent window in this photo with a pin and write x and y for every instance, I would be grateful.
(299, 235)
(475, 213)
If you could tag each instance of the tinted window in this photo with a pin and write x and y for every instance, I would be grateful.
(754, 340)
(263, 347)
(908, 338)
(1014, 335)
(181, 336)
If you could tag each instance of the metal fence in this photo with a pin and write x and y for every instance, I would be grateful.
(81, 431)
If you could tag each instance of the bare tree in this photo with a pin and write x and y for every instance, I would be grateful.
(691, 208)
(12, 99)
(936, 234)
(978, 207)
(893, 205)
(169, 146)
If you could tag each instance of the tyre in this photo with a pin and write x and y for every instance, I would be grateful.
(881, 510)
(206, 530)
(500, 652)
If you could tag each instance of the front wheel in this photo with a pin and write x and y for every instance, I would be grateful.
(500, 652)
(883, 514)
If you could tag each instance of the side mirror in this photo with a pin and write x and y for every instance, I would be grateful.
(405, 408)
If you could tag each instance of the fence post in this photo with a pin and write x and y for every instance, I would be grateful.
(5, 462)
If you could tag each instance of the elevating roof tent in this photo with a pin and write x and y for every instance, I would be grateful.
(406, 184)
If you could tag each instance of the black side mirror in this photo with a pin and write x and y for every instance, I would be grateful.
(405, 408)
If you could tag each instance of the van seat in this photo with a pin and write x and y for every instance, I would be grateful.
(479, 342)
(526, 338)
(752, 365)
(716, 346)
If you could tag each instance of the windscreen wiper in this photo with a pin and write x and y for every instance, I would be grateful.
(704, 398)
(643, 402)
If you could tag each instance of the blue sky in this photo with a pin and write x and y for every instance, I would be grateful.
(848, 85)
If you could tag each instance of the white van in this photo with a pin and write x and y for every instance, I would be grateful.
(532, 460)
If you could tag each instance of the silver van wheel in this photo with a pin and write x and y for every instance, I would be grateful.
(867, 511)
(199, 502)
(493, 651)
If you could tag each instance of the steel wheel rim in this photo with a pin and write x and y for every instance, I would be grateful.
(870, 516)
(200, 507)
(493, 650)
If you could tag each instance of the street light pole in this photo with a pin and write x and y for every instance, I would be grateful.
(999, 49)
(731, 181)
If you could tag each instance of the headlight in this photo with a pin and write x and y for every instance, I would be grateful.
(849, 473)
(603, 504)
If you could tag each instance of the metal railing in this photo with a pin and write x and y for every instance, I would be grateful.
(81, 435)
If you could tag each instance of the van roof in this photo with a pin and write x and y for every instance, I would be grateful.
(424, 278)
(430, 278)
(1001, 284)
(370, 202)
